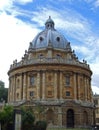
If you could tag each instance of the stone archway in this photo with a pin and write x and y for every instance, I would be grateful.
(85, 118)
(50, 116)
(70, 118)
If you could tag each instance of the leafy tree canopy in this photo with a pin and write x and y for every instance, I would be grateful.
(3, 92)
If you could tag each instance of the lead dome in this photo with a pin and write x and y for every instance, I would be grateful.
(49, 36)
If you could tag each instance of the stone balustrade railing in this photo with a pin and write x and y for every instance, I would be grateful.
(49, 61)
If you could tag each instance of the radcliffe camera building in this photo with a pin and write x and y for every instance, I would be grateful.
(51, 75)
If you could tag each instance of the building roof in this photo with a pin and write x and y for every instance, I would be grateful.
(49, 37)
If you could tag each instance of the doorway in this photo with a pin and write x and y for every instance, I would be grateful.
(70, 118)
(50, 116)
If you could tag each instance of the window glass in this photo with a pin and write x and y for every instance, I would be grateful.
(31, 93)
(32, 80)
(67, 93)
(67, 80)
(49, 92)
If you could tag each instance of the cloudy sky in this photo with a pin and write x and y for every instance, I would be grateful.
(77, 20)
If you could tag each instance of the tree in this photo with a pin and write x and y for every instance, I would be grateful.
(3, 92)
(6, 116)
(39, 110)
(28, 118)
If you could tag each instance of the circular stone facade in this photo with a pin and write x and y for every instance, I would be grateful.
(50, 74)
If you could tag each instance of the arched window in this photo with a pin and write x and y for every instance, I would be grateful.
(70, 118)
(18, 83)
(41, 55)
(41, 39)
(31, 93)
(85, 118)
(50, 116)
(17, 95)
(32, 80)
(67, 80)
(58, 39)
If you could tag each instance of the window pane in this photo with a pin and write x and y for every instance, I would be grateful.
(31, 93)
(67, 93)
(49, 92)
(67, 80)
(32, 80)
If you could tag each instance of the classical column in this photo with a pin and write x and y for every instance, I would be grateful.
(78, 87)
(43, 86)
(38, 85)
(24, 86)
(9, 89)
(55, 85)
(21, 95)
(60, 116)
(85, 89)
(14, 88)
(75, 89)
(60, 85)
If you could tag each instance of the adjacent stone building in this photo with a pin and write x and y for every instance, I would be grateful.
(50, 74)
(96, 102)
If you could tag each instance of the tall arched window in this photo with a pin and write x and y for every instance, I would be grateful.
(67, 80)
(70, 118)
(50, 116)
(85, 118)
(18, 83)
(32, 80)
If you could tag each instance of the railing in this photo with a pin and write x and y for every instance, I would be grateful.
(49, 61)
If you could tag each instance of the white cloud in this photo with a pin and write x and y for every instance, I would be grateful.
(95, 90)
(79, 28)
(15, 36)
(23, 1)
(96, 3)
(5, 4)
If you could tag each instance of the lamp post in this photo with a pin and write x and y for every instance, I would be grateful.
(17, 119)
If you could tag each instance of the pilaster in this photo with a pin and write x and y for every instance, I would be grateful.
(24, 86)
(78, 87)
(38, 85)
(75, 87)
(55, 85)
(14, 96)
(60, 116)
(60, 85)
(85, 89)
(43, 85)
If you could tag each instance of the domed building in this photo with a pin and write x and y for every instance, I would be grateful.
(50, 74)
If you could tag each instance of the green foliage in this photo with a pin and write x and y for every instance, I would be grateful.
(1, 84)
(3, 92)
(6, 116)
(41, 125)
(28, 118)
(39, 110)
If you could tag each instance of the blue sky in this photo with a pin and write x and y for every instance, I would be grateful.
(22, 20)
